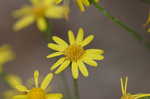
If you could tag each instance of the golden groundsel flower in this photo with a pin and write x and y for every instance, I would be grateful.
(74, 53)
(37, 92)
(38, 12)
(125, 94)
(84, 3)
(6, 55)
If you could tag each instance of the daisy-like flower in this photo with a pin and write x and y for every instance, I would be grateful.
(38, 92)
(38, 11)
(74, 53)
(82, 4)
(6, 55)
(125, 94)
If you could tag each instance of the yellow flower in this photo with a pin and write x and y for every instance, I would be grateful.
(74, 53)
(148, 23)
(125, 94)
(38, 12)
(84, 3)
(6, 55)
(38, 92)
(12, 80)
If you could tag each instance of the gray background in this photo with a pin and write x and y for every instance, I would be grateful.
(123, 54)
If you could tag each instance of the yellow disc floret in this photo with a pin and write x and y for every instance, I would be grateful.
(39, 11)
(128, 97)
(36, 93)
(74, 52)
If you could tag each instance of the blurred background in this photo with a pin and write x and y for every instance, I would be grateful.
(124, 55)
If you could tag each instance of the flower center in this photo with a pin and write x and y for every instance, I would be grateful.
(39, 11)
(128, 97)
(36, 93)
(74, 52)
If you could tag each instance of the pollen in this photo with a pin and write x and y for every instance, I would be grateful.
(36, 93)
(74, 52)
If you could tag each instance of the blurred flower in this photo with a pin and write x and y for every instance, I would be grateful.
(38, 12)
(148, 23)
(6, 55)
(84, 3)
(37, 92)
(12, 81)
(125, 94)
(74, 53)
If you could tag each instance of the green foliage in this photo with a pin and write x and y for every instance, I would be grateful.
(145, 97)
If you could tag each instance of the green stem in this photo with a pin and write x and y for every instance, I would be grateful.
(76, 89)
(135, 34)
(118, 22)
(47, 34)
(2, 76)
(66, 87)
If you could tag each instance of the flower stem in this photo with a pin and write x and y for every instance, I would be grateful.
(76, 89)
(118, 22)
(2, 76)
(47, 34)
(66, 86)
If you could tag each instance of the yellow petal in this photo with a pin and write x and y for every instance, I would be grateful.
(20, 97)
(49, 2)
(62, 67)
(55, 47)
(71, 37)
(6, 54)
(80, 35)
(58, 1)
(35, 2)
(54, 54)
(9, 94)
(36, 78)
(24, 22)
(83, 69)
(13, 80)
(22, 12)
(60, 61)
(90, 62)
(86, 2)
(138, 96)
(46, 81)
(54, 96)
(41, 24)
(74, 69)
(21, 88)
(60, 41)
(57, 12)
(80, 5)
(87, 40)
(95, 51)
(96, 57)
